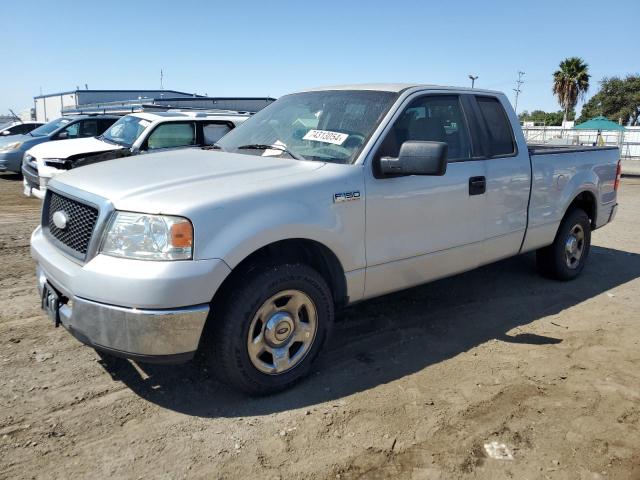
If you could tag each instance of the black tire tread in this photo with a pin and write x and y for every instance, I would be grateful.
(226, 347)
(550, 260)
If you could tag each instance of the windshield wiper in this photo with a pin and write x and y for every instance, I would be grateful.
(261, 146)
(112, 142)
(214, 146)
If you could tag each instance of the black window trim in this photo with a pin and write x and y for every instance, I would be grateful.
(484, 127)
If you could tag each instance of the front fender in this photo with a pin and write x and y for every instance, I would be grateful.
(235, 231)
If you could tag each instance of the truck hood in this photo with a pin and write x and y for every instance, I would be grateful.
(73, 146)
(183, 180)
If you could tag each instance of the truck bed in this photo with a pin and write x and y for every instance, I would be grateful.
(558, 172)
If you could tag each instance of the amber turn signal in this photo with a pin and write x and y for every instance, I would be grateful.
(182, 235)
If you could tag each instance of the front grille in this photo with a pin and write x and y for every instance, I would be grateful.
(81, 219)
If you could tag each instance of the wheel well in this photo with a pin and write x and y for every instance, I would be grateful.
(587, 202)
(300, 250)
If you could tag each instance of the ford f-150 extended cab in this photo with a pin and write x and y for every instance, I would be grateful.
(325, 198)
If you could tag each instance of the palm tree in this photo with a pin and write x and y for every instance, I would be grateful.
(570, 83)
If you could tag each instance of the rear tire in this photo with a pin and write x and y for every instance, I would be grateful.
(269, 327)
(565, 258)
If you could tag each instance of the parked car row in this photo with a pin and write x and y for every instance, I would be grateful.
(132, 134)
(324, 198)
(13, 148)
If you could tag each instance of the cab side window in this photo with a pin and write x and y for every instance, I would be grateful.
(431, 118)
(89, 128)
(73, 130)
(498, 126)
(21, 129)
(171, 135)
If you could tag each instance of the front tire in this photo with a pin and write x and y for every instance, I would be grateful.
(565, 258)
(270, 327)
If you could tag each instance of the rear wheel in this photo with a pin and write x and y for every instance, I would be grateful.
(270, 327)
(565, 258)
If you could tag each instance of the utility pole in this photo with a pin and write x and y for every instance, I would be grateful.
(473, 80)
(519, 83)
(161, 80)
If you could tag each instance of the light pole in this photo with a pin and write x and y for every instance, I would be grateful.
(519, 83)
(473, 80)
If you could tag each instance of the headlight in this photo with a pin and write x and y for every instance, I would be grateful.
(10, 146)
(148, 237)
(30, 160)
(54, 162)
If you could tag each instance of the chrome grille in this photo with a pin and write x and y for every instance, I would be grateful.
(81, 220)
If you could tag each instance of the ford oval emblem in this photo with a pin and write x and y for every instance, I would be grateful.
(60, 219)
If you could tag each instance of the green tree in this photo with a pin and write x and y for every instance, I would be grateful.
(618, 99)
(541, 117)
(570, 82)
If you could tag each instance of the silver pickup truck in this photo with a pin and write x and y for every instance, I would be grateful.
(325, 198)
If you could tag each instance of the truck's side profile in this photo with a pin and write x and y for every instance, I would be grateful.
(324, 198)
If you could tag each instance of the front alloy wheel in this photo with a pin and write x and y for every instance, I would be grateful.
(268, 326)
(282, 332)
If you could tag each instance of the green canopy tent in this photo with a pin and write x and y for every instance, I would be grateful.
(601, 123)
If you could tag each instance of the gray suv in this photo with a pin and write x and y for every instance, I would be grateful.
(12, 148)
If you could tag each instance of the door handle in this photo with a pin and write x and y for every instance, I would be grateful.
(477, 185)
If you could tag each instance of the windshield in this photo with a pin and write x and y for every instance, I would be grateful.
(52, 126)
(5, 125)
(126, 130)
(329, 126)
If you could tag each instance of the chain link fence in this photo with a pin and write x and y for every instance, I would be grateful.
(628, 141)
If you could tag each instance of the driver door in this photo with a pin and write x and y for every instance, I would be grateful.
(419, 228)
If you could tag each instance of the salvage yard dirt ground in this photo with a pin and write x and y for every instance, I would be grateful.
(411, 386)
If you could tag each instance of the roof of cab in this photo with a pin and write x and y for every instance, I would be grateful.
(396, 87)
(196, 115)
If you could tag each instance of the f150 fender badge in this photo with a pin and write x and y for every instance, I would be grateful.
(346, 196)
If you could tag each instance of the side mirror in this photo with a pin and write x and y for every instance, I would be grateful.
(62, 135)
(417, 158)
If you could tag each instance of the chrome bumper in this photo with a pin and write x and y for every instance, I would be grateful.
(158, 336)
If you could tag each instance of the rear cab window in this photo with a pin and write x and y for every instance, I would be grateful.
(214, 131)
(501, 138)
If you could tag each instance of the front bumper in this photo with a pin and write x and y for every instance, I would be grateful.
(149, 311)
(11, 161)
(33, 185)
(155, 336)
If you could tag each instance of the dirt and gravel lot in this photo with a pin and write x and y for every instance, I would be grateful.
(411, 386)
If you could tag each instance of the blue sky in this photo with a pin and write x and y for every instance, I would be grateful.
(258, 48)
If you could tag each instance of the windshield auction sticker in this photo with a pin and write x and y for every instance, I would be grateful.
(326, 136)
